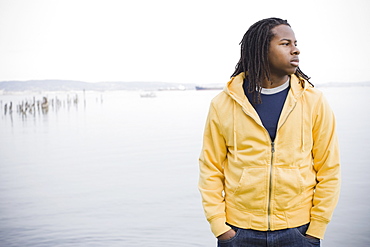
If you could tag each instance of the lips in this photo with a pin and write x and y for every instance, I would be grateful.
(294, 62)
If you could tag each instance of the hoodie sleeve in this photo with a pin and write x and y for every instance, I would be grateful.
(327, 166)
(211, 180)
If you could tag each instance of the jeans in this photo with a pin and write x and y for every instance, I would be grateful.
(292, 237)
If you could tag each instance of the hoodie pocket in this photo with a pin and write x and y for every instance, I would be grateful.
(251, 192)
(288, 186)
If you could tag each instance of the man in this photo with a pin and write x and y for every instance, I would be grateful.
(269, 167)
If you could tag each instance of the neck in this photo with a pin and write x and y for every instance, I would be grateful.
(275, 81)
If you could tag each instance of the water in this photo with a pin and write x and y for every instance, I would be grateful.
(116, 169)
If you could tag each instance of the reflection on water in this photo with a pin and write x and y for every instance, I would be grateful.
(123, 171)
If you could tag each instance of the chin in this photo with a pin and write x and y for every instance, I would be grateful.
(290, 72)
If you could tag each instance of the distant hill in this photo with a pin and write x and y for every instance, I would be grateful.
(69, 85)
(344, 84)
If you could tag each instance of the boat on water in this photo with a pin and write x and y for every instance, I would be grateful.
(148, 95)
(209, 87)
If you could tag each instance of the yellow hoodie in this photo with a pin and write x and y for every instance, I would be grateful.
(251, 182)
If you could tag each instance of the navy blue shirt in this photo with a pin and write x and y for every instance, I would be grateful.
(270, 109)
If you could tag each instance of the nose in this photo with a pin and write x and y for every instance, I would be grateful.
(296, 51)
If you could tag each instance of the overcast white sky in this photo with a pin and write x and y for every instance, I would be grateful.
(185, 41)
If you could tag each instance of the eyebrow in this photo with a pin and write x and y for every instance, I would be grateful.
(288, 40)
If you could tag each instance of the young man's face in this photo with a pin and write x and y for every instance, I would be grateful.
(283, 52)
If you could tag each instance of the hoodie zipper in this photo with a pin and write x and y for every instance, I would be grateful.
(270, 177)
(271, 170)
(270, 186)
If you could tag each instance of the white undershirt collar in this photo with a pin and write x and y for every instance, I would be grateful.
(275, 90)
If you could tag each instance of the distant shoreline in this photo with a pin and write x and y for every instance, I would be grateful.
(70, 85)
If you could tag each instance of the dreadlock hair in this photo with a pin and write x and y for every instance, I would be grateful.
(254, 56)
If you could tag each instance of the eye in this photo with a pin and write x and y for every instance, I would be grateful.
(285, 44)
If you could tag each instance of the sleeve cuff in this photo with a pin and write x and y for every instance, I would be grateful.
(317, 229)
(218, 226)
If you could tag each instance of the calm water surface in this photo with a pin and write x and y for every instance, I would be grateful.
(116, 169)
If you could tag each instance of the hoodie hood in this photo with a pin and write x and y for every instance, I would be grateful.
(234, 87)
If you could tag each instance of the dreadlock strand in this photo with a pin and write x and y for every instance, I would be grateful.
(302, 75)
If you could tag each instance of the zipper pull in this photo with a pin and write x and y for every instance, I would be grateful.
(273, 147)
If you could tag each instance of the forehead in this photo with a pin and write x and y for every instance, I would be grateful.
(283, 32)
